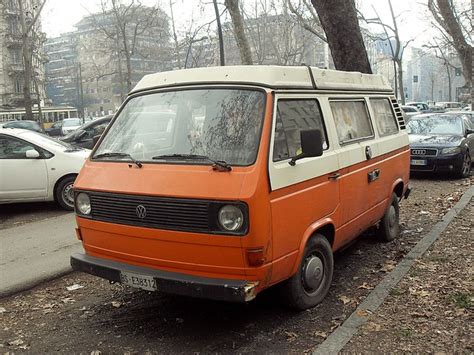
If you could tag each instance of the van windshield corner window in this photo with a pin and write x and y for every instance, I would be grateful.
(222, 124)
(292, 116)
(352, 120)
(384, 117)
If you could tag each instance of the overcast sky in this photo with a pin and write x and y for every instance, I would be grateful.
(59, 16)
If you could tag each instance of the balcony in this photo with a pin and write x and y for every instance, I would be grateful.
(15, 68)
(13, 40)
(11, 11)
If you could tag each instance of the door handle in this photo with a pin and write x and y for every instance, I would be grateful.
(334, 176)
(374, 175)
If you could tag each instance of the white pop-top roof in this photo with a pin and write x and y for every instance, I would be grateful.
(273, 76)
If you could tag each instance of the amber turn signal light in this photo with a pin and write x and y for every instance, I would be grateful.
(256, 256)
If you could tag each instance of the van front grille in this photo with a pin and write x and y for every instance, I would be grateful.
(153, 212)
(398, 113)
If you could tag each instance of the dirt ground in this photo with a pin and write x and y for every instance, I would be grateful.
(113, 319)
(432, 308)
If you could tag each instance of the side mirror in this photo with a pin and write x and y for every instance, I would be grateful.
(311, 145)
(95, 139)
(79, 135)
(32, 154)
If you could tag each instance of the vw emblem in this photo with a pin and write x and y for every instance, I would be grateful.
(140, 211)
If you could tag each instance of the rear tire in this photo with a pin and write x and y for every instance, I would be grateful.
(312, 280)
(64, 195)
(389, 227)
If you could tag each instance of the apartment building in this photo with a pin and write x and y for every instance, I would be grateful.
(12, 69)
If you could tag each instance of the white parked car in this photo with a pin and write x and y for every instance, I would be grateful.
(35, 167)
(70, 125)
(409, 112)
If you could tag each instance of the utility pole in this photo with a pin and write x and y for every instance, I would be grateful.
(81, 93)
(219, 31)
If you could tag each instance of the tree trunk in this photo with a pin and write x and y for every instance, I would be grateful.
(175, 37)
(453, 28)
(448, 72)
(27, 55)
(339, 20)
(401, 89)
(40, 112)
(239, 32)
(219, 31)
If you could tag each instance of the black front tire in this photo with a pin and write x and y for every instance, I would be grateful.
(312, 281)
(465, 169)
(389, 227)
(64, 195)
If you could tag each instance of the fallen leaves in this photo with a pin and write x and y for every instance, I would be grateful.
(345, 299)
(74, 287)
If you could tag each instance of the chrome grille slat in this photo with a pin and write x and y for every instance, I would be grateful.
(161, 212)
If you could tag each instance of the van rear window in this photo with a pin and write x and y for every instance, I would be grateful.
(384, 117)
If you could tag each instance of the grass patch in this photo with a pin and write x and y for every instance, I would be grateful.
(405, 332)
(437, 258)
(414, 272)
(462, 300)
(397, 291)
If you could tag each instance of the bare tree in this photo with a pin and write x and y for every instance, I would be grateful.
(175, 36)
(239, 31)
(28, 21)
(397, 49)
(276, 36)
(340, 23)
(125, 23)
(307, 18)
(453, 29)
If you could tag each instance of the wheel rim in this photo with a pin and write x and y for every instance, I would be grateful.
(313, 274)
(392, 218)
(466, 167)
(68, 195)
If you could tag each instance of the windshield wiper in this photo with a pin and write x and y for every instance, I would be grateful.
(216, 164)
(118, 155)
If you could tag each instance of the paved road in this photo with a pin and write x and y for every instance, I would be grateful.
(35, 252)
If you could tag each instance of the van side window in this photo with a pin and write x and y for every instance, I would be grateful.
(293, 116)
(352, 120)
(384, 117)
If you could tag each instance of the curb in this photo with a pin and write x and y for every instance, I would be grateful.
(344, 333)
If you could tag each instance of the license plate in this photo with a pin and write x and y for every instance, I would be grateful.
(419, 162)
(138, 281)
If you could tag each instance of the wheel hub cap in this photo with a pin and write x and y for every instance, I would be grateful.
(313, 272)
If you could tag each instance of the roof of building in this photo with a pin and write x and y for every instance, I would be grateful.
(272, 76)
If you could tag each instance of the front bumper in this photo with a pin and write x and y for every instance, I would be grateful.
(440, 163)
(170, 282)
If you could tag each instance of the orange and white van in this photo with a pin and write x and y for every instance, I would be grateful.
(221, 182)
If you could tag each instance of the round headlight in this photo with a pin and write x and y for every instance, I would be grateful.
(231, 218)
(83, 203)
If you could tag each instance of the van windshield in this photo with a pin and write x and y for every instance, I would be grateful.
(222, 124)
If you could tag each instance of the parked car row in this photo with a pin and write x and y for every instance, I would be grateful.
(442, 143)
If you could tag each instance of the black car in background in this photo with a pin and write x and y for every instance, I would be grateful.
(55, 129)
(84, 136)
(24, 124)
(441, 142)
